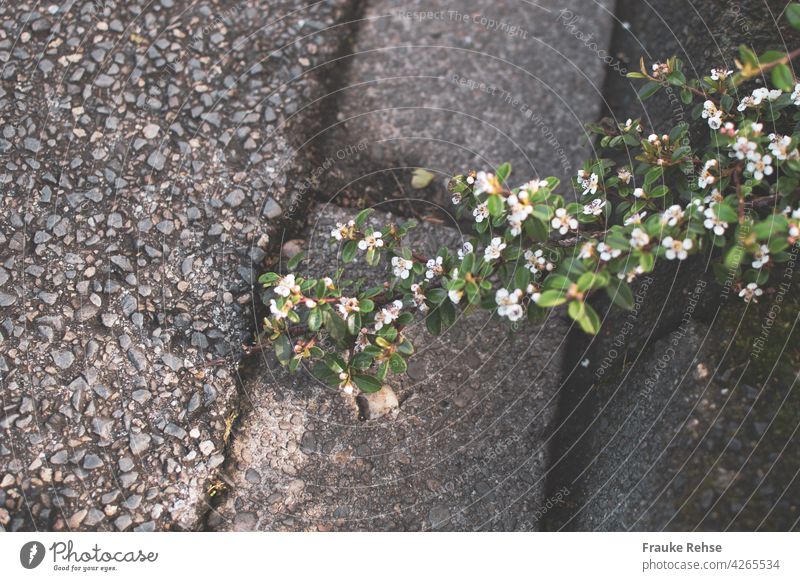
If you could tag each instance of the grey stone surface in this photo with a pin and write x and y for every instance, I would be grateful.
(667, 421)
(138, 145)
(452, 86)
(686, 439)
(481, 412)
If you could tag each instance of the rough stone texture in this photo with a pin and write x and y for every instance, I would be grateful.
(698, 445)
(467, 451)
(136, 163)
(432, 85)
(689, 440)
(703, 33)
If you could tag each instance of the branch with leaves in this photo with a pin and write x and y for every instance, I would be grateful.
(533, 250)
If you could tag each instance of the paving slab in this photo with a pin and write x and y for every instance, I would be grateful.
(451, 86)
(147, 150)
(468, 450)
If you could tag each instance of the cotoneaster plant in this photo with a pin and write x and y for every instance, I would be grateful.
(735, 199)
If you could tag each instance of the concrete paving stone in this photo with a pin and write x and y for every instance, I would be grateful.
(481, 412)
(468, 85)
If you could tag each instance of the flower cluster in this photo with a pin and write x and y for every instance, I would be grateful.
(533, 249)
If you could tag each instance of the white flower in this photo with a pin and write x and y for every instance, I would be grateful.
(796, 95)
(519, 210)
(494, 249)
(508, 304)
(563, 222)
(606, 252)
(624, 175)
(589, 184)
(486, 183)
(533, 291)
(533, 186)
(343, 231)
(746, 102)
(713, 115)
(635, 218)
(536, 262)
(744, 148)
(434, 266)
(756, 129)
(638, 193)
(720, 74)
(481, 212)
(347, 306)
(419, 297)
(672, 215)
(706, 177)
(455, 296)
(713, 223)
(595, 207)
(750, 292)
(639, 238)
(370, 241)
(280, 312)
(345, 383)
(632, 274)
(456, 198)
(466, 248)
(761, 256)
(676, 248)
(760, 166)
(388, 314)
(779, 146)
(587, 250)
(401, 267)
(287, 286)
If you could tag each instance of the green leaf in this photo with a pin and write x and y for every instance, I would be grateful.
(676, 78)
(503, 172)
(268, 278)
(397, 364)
(576, 310)
(325, 374)
(652, 176)
(349, 251)
(747, 56)
(551, 298)
(437, 295)
(590, 322)
(433, 322)
(495, 204)
(362, 361)
(383, 370)
(726, 213)
(314, 320)
(782, 78)
(635, 75)
(354, 323)
(405, 347)
(283, 349)
(468, 263)
(366, 305)
(295, 260)
(659, 191)
(421, 178)
(367, 383)
(361, 217)
(793, 15)
(648, 90)
(620, 293)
